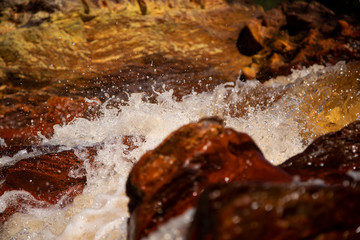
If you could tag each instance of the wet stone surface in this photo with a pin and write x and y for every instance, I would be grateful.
(169, 179)
(272, 211)
(60, 60)
(333, 158)
(46, 175)
(48, 69)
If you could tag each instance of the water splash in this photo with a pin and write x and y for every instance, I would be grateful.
(282, 116)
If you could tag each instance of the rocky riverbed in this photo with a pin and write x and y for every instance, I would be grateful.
(179, 105)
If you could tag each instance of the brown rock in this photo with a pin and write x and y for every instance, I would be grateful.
(251, 38)
(249, 72)
(283, 46)
(303, 16)
(302, 34)
(49, 175)
(111, 51)
(333, 157)
(274, 18)
(168, 180)
(281, 212)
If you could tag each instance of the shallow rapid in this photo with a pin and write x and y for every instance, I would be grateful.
(282, 116)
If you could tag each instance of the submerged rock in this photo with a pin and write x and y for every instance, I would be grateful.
(296, 35)
(168, 180)
(254, 211)
(333, 157)
(45, 175)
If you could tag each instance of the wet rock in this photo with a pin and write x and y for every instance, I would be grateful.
(46, 175)
(23, 116)
(272, 211)
(111, 51)
(299, 34)
(328, 101)
(168, 180)
(333, 157)
(251, 39)
(31, 5)
(77, 47)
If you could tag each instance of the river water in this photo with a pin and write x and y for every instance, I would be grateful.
(282, 116)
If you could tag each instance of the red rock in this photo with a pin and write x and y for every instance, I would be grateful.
(22, 119)
(168, 180)
(253, 211)
(329, 158)
(50, 176)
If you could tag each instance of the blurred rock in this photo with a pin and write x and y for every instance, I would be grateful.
(168, 180)
(49, 174)
(296, 35)
(346, 7)
(269, 211)
(251, 38)
(327, 101)
(111, 51)
(333, 158)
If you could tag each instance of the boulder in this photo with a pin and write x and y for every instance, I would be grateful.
(46, 175)
(168, 180)
(254, 211)
(333, 158)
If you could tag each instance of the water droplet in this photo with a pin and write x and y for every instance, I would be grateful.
(215, 194)
(315, 195)
(254, 205)
(268, 207)
(235, 219)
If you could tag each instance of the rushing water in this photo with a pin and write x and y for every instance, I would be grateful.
(282, 116)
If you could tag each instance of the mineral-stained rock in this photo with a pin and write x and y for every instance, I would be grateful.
(111, 50)
(255, 211)
(50, 175)
(20, 122)
(333, 157)
(167, 180)
(299, 34)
